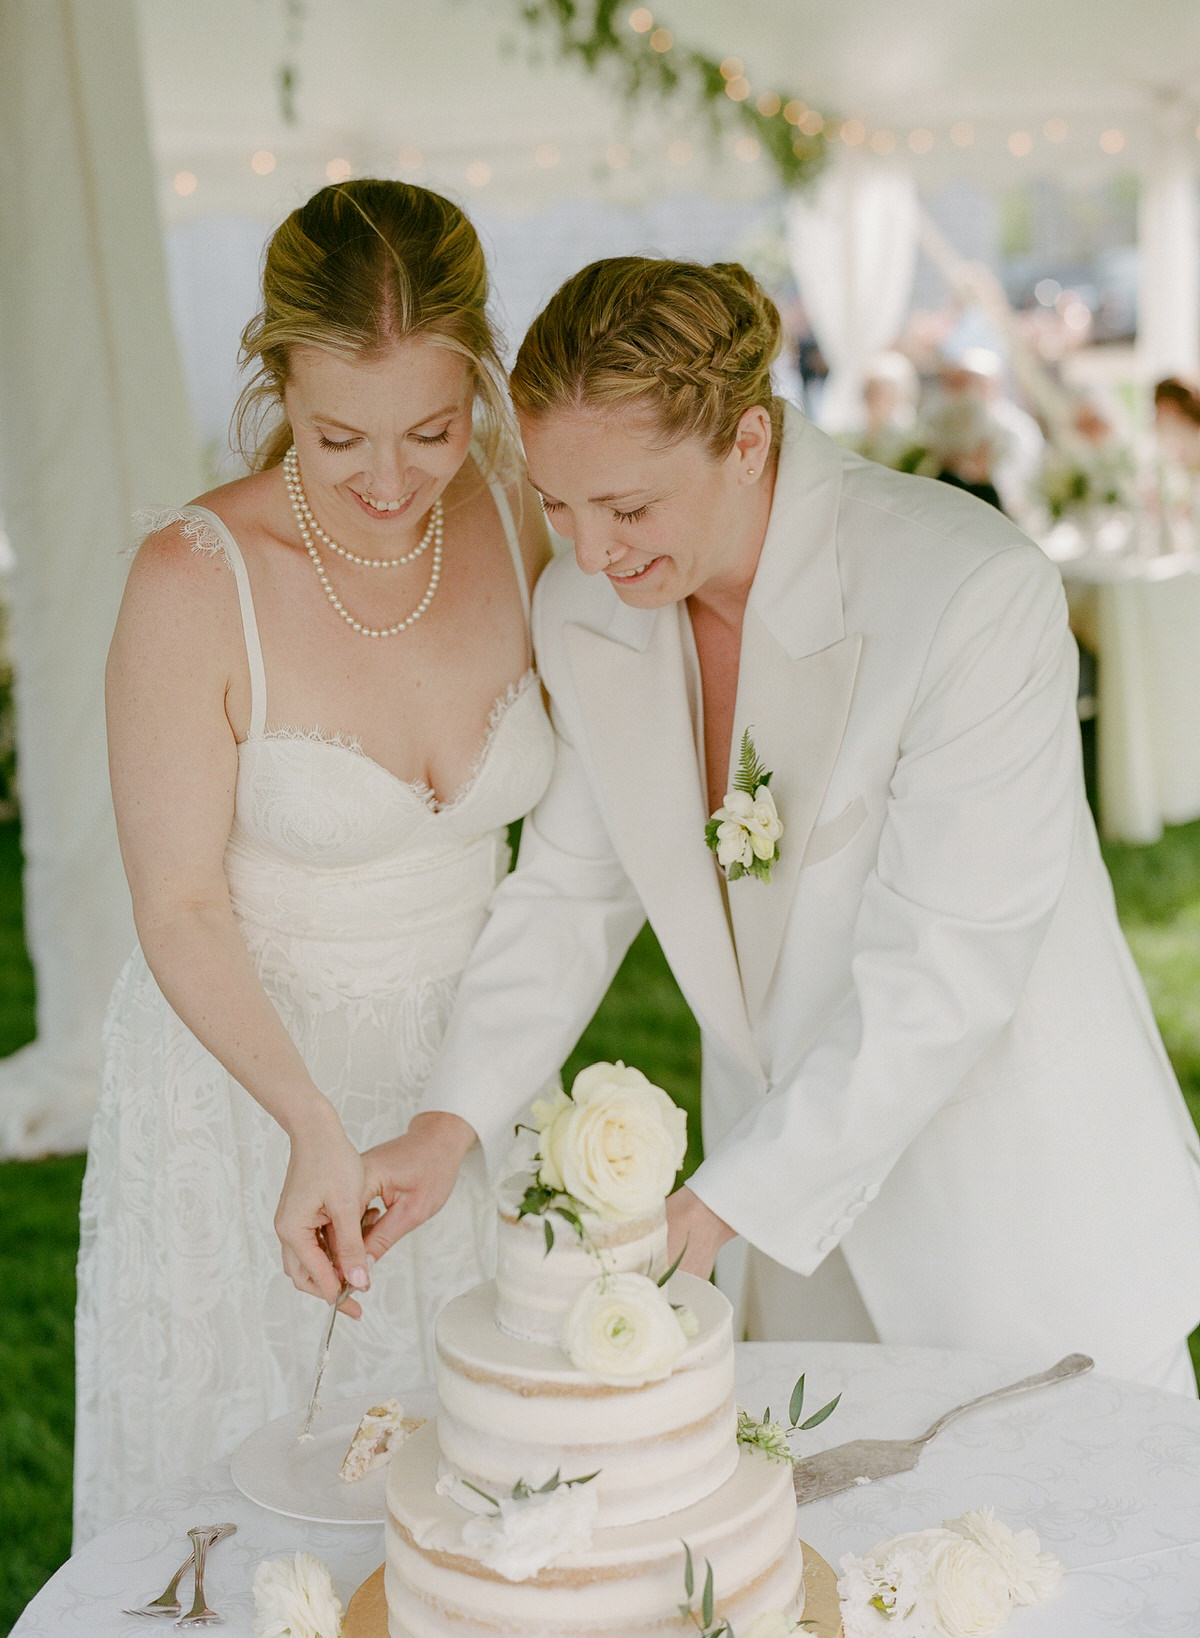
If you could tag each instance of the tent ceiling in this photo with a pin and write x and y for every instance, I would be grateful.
(452, 79)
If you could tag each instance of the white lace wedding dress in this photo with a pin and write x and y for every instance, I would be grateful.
(360, 898)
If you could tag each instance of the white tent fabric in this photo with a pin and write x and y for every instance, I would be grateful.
(1169, 240)
(93, 422)
(853, 250)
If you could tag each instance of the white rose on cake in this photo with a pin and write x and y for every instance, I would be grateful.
(622, 1330)
(530, 1532)
(615, 1144)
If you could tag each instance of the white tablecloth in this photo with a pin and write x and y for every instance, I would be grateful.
(1144, 618)
(1107, 1473)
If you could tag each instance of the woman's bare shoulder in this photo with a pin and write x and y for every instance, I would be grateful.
(184, 548)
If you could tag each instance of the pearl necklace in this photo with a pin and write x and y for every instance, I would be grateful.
(302, 514)
(291, 476)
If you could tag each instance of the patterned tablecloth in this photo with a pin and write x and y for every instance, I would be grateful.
(1107, 1473)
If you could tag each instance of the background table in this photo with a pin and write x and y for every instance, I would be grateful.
(1140, 615)
(1108, 1474)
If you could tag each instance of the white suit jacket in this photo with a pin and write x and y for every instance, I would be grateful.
(924, 1039)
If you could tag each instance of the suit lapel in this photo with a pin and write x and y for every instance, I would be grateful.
(796, 710)
(795, 681)
(641, 734)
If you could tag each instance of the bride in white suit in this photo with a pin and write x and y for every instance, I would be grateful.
(936, 1106)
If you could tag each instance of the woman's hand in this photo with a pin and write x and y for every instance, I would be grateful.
(320, 1211)
(414, 1174)
(695, 1231)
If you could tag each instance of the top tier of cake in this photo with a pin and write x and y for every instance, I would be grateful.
(536, 1287)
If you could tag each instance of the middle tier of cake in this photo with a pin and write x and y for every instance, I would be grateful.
(514, 1410)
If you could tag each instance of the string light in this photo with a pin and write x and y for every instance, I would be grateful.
(732, 68)
(546, 155)
(962, 134)
(920, 140)
(794, 112)
(263, 162)
(184, 182)
(747, 149)
(1020, 144)
(662, 40)
(884, 143)
(641, 21)
(410, 159)
(479, 173)
(853, 133)
(768, 104)
(680, 152)
(811, 123)
(338, 170)
(1112, 141)
(738, 88)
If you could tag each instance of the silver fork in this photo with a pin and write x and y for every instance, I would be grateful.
(167, 1602)
(200, 1615)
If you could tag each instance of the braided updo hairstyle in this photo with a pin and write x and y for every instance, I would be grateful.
(361, 266)
(691, 345)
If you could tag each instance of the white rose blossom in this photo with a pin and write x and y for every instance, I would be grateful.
(962, 1581)
(294, 1598)
(614, 1145)
(622, 1330)
(530, 1532)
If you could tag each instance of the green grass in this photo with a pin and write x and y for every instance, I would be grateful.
(643, 1020)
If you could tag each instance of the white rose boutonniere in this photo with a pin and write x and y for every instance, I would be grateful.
(622, 1330)
(962, 1581)
(744, 833)
(294, 1598)
(614, 1145)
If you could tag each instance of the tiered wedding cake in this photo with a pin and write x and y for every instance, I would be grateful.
(585, 1460)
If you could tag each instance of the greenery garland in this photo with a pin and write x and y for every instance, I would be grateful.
(653, 65)
(647, 66)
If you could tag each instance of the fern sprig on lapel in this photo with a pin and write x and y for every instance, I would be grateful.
(744, 833)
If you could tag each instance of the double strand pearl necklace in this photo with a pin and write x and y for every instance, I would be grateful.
(303, 515)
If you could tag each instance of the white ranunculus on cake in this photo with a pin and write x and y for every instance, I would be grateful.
(623, 1330)
(614, 1145)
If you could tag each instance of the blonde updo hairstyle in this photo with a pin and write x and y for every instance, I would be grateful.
(689, 345)
(364, 265)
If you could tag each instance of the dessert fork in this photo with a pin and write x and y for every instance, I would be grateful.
(200, 1615)
(167, 1602)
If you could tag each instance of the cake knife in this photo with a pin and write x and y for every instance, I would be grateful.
(323, 1359)
(862, 1461)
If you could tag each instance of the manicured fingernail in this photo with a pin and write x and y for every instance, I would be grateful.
(357, 1277)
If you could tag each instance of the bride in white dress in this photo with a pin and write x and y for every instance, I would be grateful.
(322, 718)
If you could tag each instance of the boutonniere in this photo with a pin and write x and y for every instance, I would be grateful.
(744, 834)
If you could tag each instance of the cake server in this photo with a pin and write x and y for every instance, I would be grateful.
(862, 1461)
(347, 1290)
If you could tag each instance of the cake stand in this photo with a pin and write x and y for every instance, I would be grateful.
(367, 1614)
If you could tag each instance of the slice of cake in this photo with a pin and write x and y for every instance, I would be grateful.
(585, 1452)
(382, 1429)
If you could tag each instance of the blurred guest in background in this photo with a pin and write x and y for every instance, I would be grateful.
(891, 390)
(1177, 421)
(978, 375)
(965, 445)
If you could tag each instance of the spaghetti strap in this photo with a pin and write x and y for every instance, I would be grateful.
(254, 658)
(514, 543)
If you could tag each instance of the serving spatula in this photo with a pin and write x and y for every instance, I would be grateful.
(862, 1461)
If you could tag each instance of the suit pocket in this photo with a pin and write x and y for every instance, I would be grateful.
(835, 834)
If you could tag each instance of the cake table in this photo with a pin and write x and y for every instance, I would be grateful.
(1107, 1473)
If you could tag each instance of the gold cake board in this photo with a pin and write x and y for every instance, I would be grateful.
(367, 1615)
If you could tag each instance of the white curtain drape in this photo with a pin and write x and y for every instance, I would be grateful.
(93, 422)
(1169, 251)
(853, 251)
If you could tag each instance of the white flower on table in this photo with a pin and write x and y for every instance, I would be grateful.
(961, 1581)
(529, 1532)
(622, 1330)
(614, 1145)
(294, 1598)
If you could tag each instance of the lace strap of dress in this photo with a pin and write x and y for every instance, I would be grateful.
(254, 657)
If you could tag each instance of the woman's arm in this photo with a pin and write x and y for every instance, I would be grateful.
(177, 658)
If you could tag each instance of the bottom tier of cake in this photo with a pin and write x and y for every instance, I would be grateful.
(628, 1584)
